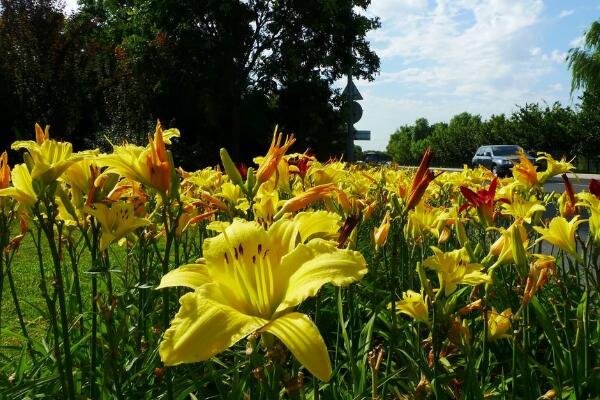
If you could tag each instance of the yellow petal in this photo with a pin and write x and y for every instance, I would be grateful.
(302, 338)
(191, 275)
(315, 264)
(241, 239)
(317, 224)
(203, 328)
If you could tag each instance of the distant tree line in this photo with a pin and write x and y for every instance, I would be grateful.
(555, 129)
(223, 71)
(552, 128)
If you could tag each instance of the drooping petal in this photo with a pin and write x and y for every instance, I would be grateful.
(317, 224)
(203, 328)
(315, 264)
(190, 275)
(303, 339)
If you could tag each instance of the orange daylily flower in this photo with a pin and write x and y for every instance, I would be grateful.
(4, 171)
(539, 271)
(483, 200)
(525, 171)
(41, 135)
(380, 234)
(567, 201)
(268, 166)
(158, 161)
(313, 194)
(421, 180)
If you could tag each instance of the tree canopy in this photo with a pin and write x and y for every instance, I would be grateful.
(223, 71)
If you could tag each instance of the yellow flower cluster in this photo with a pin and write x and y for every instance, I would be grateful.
(289, 227)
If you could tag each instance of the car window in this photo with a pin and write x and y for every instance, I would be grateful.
(506, 150)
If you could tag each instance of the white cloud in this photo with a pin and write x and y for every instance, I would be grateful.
(578, 41)
(566, 13)
(472, 40)
(449, 56)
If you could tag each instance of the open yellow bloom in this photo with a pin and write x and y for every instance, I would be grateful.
(510, 246)
(553, 167)
(251, 280)
(424, 220)
(498, 324)
(50, 158)
(116, 221)
(22, 188)
(454, 268)
(521, 208)
(561, 233)
(414, 305)
(150, 165)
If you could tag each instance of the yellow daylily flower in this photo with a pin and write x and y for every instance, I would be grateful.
(233, 193)
(424, 220)
(498, 324)
(4, 171)
(454, 268)
(50, 158)
(380, 233)
(116, 221)
(414, 305)
(150, 165)
(520, 208)
(595, 225)
(510, 246)
(561, 233)
(265, 206)
(22, 188)
(553, 167)
(251, 281)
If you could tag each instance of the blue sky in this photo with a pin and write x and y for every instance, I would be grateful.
(443, 57)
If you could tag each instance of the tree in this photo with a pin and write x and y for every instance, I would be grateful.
(43, 72)
(399, 145)
(584, 61)
(224, 71)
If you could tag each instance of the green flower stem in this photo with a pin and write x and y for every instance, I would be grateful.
(112, 332)
(13, 291)
(47, 225)
(347, 342)
(51, 305)
(170, 220)
(76, 284)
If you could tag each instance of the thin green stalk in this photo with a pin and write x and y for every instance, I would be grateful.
(48, 227)
(348, 344)
(514, 365)
(50, 304)
(76, 285)
(392, 338)
(13, 291)
(110, 322)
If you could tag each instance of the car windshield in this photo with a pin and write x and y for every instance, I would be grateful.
(505, 150)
